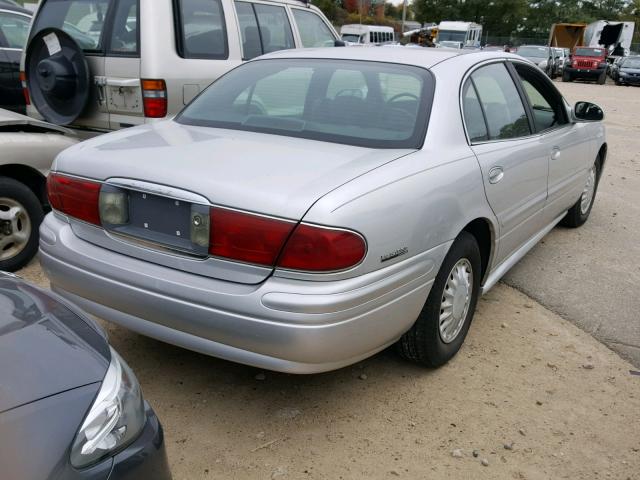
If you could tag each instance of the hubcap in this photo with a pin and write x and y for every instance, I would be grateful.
(588, 192)
(15, 228)
(456, 299)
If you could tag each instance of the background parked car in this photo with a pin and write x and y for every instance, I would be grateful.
(286, 219)
(543, 56)
(628, 71)
(562, 57)
(70, 406)
(140, 74)
(587, 63)
(14, 30)
(27, 148)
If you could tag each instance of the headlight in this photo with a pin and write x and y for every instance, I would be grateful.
(623, 74)
(115, 418)
(543, 64)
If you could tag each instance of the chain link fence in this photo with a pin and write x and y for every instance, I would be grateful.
(539, 40)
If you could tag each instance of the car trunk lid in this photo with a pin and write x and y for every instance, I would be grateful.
(264, 174)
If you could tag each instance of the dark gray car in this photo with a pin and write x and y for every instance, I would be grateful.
(70, 407)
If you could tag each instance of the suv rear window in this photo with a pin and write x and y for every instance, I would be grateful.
(201, 30)
(368, 104)
(83, 20)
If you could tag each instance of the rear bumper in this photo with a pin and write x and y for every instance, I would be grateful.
(281, 324)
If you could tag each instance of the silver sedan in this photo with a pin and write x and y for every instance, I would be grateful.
(314, 207)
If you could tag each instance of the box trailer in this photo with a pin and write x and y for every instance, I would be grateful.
(616, 37)
(567, 35)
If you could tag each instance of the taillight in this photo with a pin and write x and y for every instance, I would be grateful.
(25, 90)
(246, 237)
(320, 249)
(154, 98)
(74, 197)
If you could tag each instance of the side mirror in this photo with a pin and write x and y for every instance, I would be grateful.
(587, 112)
(339, 43)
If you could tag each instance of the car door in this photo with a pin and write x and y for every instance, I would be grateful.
(513, 170)
(14, 30)
(561, 142)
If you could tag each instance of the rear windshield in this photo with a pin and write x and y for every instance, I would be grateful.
(82, 19)
(369, 104)
(589, 52)
(533, 52)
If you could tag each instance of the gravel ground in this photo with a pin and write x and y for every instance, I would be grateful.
(530, 396)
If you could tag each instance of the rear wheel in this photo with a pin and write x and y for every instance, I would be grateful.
(579, 213)
(444, 321)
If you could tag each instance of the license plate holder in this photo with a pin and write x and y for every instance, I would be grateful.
(162, 220)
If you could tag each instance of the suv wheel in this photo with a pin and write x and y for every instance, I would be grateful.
(20, 217)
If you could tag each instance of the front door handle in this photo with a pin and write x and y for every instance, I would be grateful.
(496, 174)
(555, 153)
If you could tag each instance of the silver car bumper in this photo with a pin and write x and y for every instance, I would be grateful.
(281, 324)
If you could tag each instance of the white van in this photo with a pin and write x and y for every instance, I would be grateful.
(459, 35)
(366, 34)
(148, 58)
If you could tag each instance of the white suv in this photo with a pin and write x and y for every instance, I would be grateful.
(149, 58)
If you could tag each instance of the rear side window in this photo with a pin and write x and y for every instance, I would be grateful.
(501, 102)
(124, 34)
(83, 20)
(473, 116)
(14, 30)
(313, 31)
(264, 29)
(201, 30)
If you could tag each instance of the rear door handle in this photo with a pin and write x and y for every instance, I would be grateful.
(496, 174)
(555, 153)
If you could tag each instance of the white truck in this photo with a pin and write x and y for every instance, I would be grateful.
(616, 37)
(459, 35)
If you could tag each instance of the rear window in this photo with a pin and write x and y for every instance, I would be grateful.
(589, 52)
(533, 52)
(369, 104)
(83, 20)
(313, 31)
(201, 30)
(14, 29)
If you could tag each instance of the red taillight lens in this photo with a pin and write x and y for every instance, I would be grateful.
(74, 197)
(246, 237)
(317, 249)
(25, 90)
(154, 98)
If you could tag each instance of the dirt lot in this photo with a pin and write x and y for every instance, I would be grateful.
(530, 393)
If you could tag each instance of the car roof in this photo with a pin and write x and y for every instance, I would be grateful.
(421, 57)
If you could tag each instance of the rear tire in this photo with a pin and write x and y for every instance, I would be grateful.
(444, 321)
(20, 217)
(579, 213)
(566, 77)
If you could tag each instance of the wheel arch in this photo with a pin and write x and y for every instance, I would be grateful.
(483, 230)
(602, 157)
(32, 178)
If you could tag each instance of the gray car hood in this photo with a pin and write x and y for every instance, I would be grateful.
(45, 348)
(271, 174)
(10, 119)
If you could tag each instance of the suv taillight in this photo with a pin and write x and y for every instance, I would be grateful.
(154, 98)
(272, 242)
(74, 197)
(25, 90)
